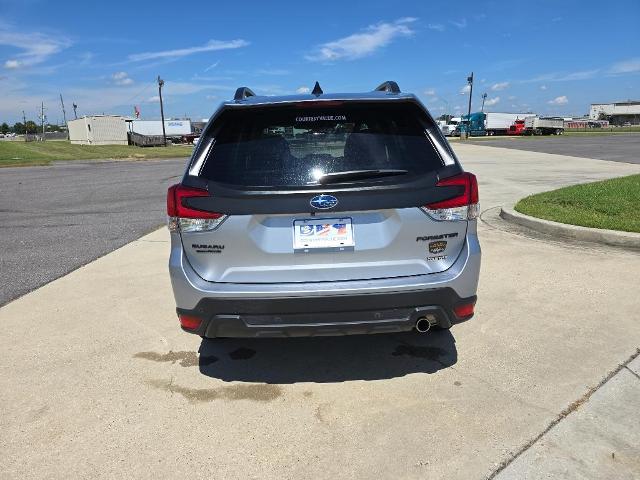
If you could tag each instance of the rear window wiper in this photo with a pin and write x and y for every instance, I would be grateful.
(335, 177)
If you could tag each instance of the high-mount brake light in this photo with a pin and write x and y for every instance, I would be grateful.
(464, 206)
(188, 219)
(319, 103)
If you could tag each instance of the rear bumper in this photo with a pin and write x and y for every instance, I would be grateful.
(324, 308)
(324, 315)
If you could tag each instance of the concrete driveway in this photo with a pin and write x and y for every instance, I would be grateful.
(97, 380)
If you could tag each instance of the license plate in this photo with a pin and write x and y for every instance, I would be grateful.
(323, 233)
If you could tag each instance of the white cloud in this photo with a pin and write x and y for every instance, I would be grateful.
(430, 92)
(153, 99)
(460, 23)
(303, 90)
(122, 78)
(562, 100)
(211, 97)
(362, 44)
(436, 26)
(564, 77)
(499, 86)
(464, 90)
(543, 87)
(273, 71)
(628, 66)
(210, 46)
(491, 101)
(35, 47)
(212, 66)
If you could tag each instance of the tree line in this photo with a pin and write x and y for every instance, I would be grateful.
(30, 127)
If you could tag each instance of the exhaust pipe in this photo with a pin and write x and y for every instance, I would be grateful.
(423, 324)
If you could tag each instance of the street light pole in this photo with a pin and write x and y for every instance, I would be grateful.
(470, 82)
(160, 85)
(484, 97)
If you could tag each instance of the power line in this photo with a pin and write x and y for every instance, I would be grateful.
(141, 92)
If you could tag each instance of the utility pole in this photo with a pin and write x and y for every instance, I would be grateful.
(160, 85)
(24, 122)
(470, 82)
(64, 116)
(484, 97)
(74, 110)
(42, 120)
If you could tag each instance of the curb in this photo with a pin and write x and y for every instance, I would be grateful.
(596, 235)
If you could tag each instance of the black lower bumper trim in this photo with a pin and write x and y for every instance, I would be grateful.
(324, 315)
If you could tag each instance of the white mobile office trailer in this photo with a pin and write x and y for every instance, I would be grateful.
(98, 130)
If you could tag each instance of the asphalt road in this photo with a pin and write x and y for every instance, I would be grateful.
(57, 218)
(617, 148)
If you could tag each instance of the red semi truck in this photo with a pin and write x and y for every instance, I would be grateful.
(517, 128)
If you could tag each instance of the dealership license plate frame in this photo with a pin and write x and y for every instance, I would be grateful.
(318, 243)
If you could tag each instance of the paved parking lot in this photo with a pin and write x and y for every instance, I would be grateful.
(97, 380)
(616, 148)
(55, 219)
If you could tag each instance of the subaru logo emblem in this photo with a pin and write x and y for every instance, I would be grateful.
(324, 202)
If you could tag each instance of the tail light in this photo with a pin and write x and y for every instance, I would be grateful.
(187, 219)
(465, 206)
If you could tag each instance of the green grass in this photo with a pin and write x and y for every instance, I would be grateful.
(610, 204)
(43, 153)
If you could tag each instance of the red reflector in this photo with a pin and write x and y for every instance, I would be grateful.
(177, 194)
(189, 321)
(464, 311)
(468, 197)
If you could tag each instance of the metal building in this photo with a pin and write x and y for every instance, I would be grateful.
(617, 113)
(98, 130)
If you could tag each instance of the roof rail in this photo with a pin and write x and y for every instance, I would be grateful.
(243, 93)
(389, 86)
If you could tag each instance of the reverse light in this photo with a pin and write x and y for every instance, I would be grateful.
(187, 219)
(464, 206)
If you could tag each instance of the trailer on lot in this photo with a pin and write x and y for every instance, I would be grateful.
(490, 123)
(543, 126)
(172, 128)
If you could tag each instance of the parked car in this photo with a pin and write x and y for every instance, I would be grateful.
(323, 214)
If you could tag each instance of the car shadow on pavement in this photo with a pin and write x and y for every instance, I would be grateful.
(326, 359)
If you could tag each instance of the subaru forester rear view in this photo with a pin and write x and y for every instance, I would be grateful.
(323, 214)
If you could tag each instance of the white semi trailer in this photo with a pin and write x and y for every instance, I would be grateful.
(173, 128)
(543, 126)
(499, 123)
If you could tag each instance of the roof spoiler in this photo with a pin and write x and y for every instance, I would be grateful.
(389, 86)
(243, 93)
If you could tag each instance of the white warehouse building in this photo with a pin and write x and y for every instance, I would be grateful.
(98, 130)
(617, 113)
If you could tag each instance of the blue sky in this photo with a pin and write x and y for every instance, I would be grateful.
(549, 57)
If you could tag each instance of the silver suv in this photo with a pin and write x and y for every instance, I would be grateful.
(323, 214)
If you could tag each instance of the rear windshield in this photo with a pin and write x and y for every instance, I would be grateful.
(296, 145)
